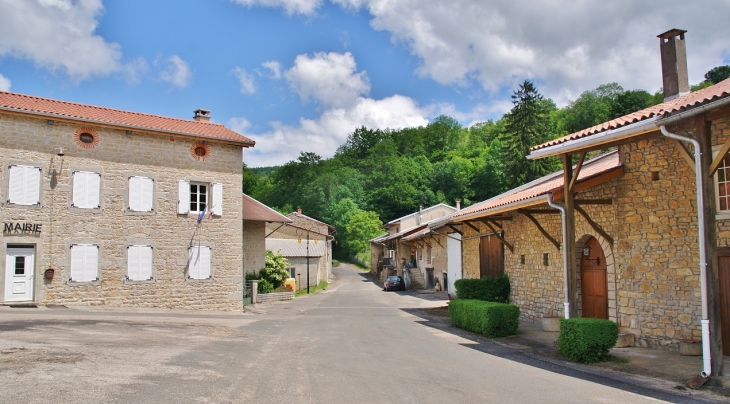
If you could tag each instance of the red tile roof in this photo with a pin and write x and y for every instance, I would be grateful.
(256, 211)
(46, 107)
(542, 186)
(687, 101)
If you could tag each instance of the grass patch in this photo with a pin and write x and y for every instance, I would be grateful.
(312, 289)
(438, 311)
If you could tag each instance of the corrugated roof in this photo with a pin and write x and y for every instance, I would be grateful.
(293, 248)
(679, 104)
(47, 107)
(256, 211)
(543, 185)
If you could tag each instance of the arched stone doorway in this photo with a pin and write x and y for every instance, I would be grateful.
(594, 280)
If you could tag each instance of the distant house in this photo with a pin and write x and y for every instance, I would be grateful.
(291, 240)
(255, 217)
(389, 252)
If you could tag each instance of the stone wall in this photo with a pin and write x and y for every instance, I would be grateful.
(274, 297)
(166, 159)
(254, 246)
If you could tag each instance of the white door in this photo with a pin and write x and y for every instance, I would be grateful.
(19, 274)
(453, 256)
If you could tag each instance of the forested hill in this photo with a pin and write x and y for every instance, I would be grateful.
(380, 175)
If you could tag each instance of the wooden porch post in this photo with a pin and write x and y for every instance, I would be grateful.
(702, 131)
(570, 233)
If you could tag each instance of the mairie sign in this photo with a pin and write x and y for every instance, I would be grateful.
(21, 228)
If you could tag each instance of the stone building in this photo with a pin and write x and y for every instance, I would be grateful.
(109, 207)
(256, 216)
(648, 246)
(406, 242)
(291, 240)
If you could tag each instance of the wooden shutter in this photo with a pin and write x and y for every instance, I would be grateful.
(86, 188)
(24, 185)
(139, 262)
(217, 203)
(183, 197)
(84, 262)
(141, 191)
(199, 267)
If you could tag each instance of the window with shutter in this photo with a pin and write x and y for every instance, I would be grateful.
(84, 263)
(198, 197)
(24, 185)
(141, 193)
(183, 197)
(199, 266)
(139, 262)
(86, 188)
(217, 208)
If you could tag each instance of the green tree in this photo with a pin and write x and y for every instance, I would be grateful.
(275, 270)
(718, 74)
(528, 124)
(630, 101)
(362, 227)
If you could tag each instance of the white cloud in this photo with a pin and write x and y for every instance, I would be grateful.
(274, 67)
(4, 83)
(175, 71)
(58, 35)
(305, 7)
(246, 80)
(324, 134)
(328, 78)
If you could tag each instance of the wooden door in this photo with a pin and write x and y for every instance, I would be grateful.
(491, 256)
(724, 280)
(594, 283)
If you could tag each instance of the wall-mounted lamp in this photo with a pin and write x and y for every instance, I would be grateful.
(49, 122)
(59, 151)
(587, 253)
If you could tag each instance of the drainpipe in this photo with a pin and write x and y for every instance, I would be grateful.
(566, 302)
(703, 255)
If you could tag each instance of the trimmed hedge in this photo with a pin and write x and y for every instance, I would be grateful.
(489, 289)
(587, 340)
(486, 318)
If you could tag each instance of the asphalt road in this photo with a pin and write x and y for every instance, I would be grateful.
(353, 343)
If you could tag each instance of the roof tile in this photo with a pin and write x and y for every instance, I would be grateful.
(69, 110)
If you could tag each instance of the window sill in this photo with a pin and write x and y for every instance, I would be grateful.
(724, 215)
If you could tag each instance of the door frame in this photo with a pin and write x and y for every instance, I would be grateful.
(8, 272)
(599, 256)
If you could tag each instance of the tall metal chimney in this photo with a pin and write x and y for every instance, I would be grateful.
(674, 63)
(458, 205)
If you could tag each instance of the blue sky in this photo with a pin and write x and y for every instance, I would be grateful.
(300, 75)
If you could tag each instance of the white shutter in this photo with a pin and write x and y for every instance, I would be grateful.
(217, 199)
(32, 194)
(84, 262)
(139, 262)
(86, 189)
(93, 189)
(91, 263)
(183, 197)
(24, 185)
(133, 272)
(141, 191)
(199, 267)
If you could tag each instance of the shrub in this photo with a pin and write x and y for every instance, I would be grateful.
(486, 318)
(335, 263)
(274, 271)
(252, 276)
(587, 340)
(265, 287)
(489, 289)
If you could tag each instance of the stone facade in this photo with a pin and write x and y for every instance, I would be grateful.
(118, 155)
(653, 264)
(254, 246)
(320, 267)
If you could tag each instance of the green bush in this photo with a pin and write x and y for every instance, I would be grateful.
(265, 287)
(486, 318)
(587, 340)
(489, 289)
(274, 271)
(252, 276)
(335, 263)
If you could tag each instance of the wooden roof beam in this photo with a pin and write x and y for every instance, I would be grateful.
(593, 224)
(542, 230)
(576, 172)
(501, 238)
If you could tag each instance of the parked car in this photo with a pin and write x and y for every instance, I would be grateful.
(394, 283)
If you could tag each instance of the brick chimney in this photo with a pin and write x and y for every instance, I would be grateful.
(674, 63)
(299, 211)
(201, 115)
